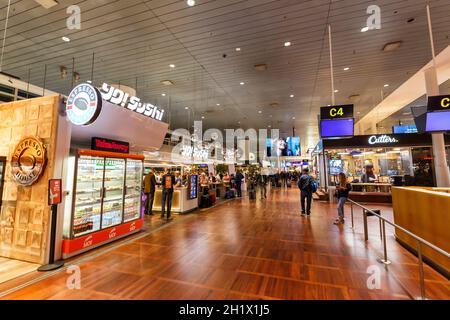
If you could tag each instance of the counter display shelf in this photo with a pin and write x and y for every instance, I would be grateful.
(106, 200)
(180, 201)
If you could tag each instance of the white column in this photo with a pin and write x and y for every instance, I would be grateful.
(441, 170)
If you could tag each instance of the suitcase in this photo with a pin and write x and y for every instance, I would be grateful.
(212, 196)
(205, 201)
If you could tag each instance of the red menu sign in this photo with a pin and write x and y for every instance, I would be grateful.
(54, 191)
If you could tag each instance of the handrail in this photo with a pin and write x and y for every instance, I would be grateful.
(432, 246)
(419, 240)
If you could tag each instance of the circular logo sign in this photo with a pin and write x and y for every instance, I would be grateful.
(83, 104)
(28, 161)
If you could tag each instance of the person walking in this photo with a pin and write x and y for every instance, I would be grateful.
(262, 180)
(149, 190)
(238, 181)
(305, 184)
(342, 192)
(168, 182)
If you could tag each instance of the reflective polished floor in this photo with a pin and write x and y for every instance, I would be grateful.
(245, 249)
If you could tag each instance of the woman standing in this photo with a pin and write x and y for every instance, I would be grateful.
(342, 191)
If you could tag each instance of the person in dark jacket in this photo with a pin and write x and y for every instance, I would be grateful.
(149, 190)
(238, 181)
(305, 184)
(168, 183)
(342, 191)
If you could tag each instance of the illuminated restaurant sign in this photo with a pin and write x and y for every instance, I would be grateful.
(123, 99)
(84, 103)
(103, 144)
(384, 139)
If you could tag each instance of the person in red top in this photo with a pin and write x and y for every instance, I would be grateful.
(168, 183)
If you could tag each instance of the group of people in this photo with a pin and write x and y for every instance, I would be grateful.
(307, 187)
(168, 182)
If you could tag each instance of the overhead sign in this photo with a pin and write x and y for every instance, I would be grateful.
(28, 161)
(103, 144)
(123, 99)
(384, 139)
(54, 191)
(439, 103)
(336, 112)
(83, 104)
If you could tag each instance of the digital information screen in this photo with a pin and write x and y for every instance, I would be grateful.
(293, 146)
(438, 121)
(404, 129)
(193, 185)
(337, 128)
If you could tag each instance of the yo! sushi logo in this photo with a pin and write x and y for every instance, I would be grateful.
(83, 104)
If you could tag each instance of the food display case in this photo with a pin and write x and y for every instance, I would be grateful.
(105, 203)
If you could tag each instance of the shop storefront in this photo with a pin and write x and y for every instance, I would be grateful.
(374, 163)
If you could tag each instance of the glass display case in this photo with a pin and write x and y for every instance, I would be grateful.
(88, 195)
(133, 190)
(106, 192)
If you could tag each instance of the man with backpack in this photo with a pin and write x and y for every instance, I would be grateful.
(306, 184)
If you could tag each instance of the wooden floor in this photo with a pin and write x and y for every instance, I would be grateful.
(248, 250)
(10, 269)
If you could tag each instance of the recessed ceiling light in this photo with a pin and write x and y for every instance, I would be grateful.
(203, 117)
(190, 3)
(163, 94)
(238, 49)
(365, 29)
(242, 83)
(259, 111)
(172, 65)
(65, 39)
(336, 91)
(386, 85)
(293, 118)
(291, 96)
(287, 44)
(329, 105)
(186, 108)
(346, 68)
(218, 104)
(358, 112)
(239, 122)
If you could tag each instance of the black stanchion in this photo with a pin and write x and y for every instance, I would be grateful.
(52, 264)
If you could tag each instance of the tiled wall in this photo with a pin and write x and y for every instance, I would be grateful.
(24, 214)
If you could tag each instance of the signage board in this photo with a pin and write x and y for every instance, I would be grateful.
(84, 103)
(103, 144)
(404, 129)
(193, 187)
(380, 141)
(28, 161)
(336, 112)
(438, 103)
(339, 128)
(54, 191)
(438, 121)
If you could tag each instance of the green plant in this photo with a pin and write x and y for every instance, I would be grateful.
(221, 168)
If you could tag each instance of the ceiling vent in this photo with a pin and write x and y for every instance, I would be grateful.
(261, 67)
(391, 46)
(167, 82)
(47, 4)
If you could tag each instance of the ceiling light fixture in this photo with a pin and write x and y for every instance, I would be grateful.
(386, 85)
(336, 91)
(293, 118)
(163, 94)
(47, 4)
(203, 117)
(291, 96)
(218, 104)
(65, 39)
(190, 3)
(287, 44)
(242, 83)
(259, 111)
(172, 65)
(238, 49)
(346, 68)
(365, 29)
(391, 46)
(167, 82)
(186, 108)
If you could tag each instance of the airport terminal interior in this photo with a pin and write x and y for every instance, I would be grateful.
(224, 150)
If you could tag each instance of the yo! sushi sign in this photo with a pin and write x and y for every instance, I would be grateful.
(85, 103)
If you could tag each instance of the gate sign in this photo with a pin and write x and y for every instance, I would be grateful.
(54, 191)
(439, 103)
(336, 112)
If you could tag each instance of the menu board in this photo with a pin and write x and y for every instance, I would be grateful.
(192, 187)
